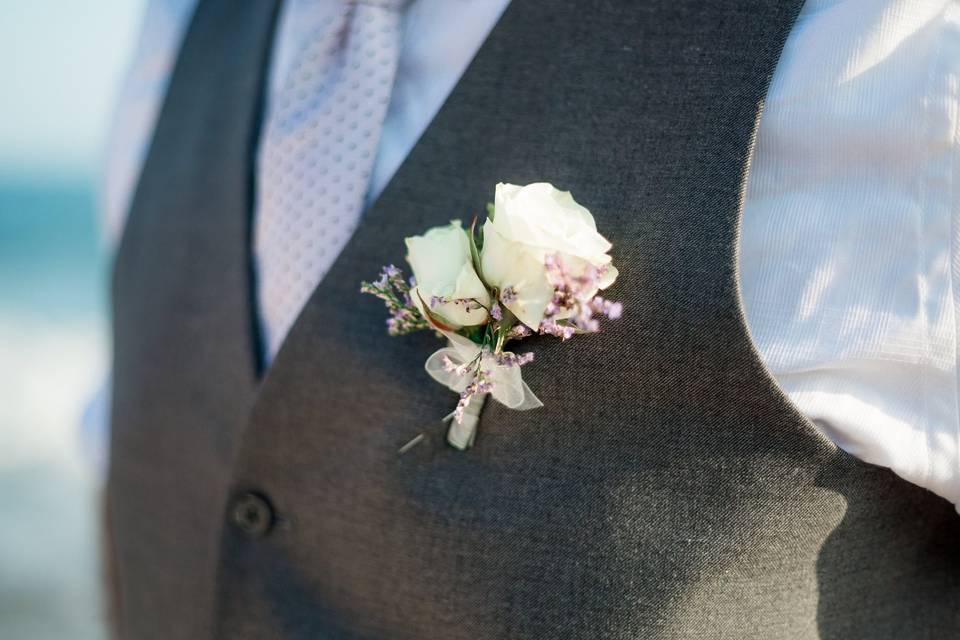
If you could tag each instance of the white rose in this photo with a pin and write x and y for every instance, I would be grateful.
(530, 223)
(443, 268)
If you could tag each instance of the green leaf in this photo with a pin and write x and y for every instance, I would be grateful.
(474, 334)
(474, 251)
(491, 209)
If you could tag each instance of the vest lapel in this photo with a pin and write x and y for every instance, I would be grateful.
(184, 340)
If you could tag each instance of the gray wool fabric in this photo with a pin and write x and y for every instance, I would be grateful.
(666, 490)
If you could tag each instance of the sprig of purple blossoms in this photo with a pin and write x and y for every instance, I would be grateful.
(518, 332)
(395, 293)
(480, 385)
(468, 304)
(457, 369)
(481, 382)
(575, 299)
(511, 359)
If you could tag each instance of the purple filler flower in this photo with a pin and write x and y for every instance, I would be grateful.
(510, 359)
(480, 385)
(519, 331)
(395, 293)
(575, 302)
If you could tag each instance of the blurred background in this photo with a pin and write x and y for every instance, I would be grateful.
(62, 62)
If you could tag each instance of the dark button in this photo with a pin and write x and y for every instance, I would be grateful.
(252, 515)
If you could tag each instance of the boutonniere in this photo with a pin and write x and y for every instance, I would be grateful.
(535, 266)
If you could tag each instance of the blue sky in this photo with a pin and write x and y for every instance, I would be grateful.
(61, 61)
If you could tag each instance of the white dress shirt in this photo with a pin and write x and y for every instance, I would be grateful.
(847, 259)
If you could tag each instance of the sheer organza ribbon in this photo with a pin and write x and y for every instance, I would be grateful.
(509, 389)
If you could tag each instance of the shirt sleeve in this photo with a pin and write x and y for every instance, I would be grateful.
(135, 114)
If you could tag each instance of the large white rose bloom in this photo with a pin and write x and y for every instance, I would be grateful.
(530, 223)
(443, 268)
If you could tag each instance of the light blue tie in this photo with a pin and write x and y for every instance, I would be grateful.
(316, 155)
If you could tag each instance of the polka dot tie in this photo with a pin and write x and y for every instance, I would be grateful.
(316, 155)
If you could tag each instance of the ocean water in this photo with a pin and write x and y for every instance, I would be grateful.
(53, 356)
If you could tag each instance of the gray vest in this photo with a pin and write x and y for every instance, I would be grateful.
(667, 489)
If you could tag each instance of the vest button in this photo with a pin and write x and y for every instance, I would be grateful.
(252, 515)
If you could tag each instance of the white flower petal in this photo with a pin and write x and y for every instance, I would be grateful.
(510, 265)
(443, 267)
(548, 221)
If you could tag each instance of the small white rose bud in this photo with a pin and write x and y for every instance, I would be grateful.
(446, 280)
